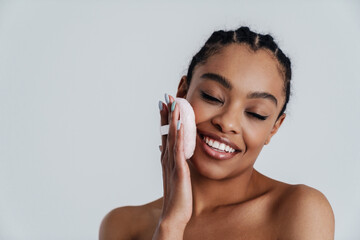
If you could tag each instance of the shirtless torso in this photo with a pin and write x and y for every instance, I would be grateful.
(238, 95)
(279, 211)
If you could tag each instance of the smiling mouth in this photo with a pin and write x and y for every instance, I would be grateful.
(216, 149)
(218, 146)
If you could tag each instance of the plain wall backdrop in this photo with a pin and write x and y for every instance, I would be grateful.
(80, 83)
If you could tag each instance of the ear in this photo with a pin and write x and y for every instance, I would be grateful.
(275, 128)
(182, 88)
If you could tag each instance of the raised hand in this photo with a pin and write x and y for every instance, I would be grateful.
(177, 201)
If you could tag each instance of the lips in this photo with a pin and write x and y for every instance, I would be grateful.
(222, 147)
(219, 139)
(214, 152)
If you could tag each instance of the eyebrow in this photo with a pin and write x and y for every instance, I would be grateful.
(226, 83)
(264, 95)
(218, 78)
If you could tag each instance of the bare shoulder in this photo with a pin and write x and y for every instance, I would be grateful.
(125, 223)
(305, 213)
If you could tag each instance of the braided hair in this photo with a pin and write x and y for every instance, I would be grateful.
(243, 35)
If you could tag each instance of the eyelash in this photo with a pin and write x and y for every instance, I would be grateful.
(212, 99)
(260, 117)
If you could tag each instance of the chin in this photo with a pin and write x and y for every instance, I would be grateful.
(205, 166)
(209, 169)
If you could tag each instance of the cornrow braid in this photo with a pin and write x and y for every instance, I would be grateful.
(243, 35)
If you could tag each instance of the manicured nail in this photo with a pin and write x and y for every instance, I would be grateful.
(167, 98)
(160, 105)
(173, 106)
(178, 124)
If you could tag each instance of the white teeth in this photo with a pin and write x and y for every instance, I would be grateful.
(227, 148)
(222, 146)
(218, 145)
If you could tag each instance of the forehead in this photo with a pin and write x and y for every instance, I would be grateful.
(245, 69)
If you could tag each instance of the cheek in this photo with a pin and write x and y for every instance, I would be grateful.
(202, 111)
(254, 134)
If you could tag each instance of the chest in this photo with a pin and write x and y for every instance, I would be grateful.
(228, 225)
(257, 220)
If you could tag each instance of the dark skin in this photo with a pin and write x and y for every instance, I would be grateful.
(208, 198)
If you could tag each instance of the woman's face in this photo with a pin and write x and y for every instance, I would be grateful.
(236, 95)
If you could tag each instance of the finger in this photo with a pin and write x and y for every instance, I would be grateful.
(172, 131)
(169, 114)
(171, 100)
(179, 148)
(163, 121)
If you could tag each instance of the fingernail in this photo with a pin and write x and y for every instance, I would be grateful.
(167, 98)
(160, 105)
(173, 106)
(178, 124)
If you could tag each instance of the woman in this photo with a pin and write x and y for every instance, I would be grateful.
(238, 85)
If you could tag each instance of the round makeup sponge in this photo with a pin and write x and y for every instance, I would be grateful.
(187, 118)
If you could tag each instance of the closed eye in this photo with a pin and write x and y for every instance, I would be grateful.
(213, 99)
(209, 98)
(258, 116)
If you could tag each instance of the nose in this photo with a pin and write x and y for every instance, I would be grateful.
(228, 121)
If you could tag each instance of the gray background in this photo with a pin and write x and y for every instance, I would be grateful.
(79, 86)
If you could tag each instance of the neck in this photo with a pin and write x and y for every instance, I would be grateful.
(209, 194)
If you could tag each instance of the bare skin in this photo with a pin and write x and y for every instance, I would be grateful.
(208, 198)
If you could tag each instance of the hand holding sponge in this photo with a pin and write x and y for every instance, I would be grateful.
(187, 118)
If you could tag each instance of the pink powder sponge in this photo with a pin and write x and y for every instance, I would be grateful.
(187, 118)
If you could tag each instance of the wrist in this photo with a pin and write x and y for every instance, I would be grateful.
(172, 224)
(169, 229)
